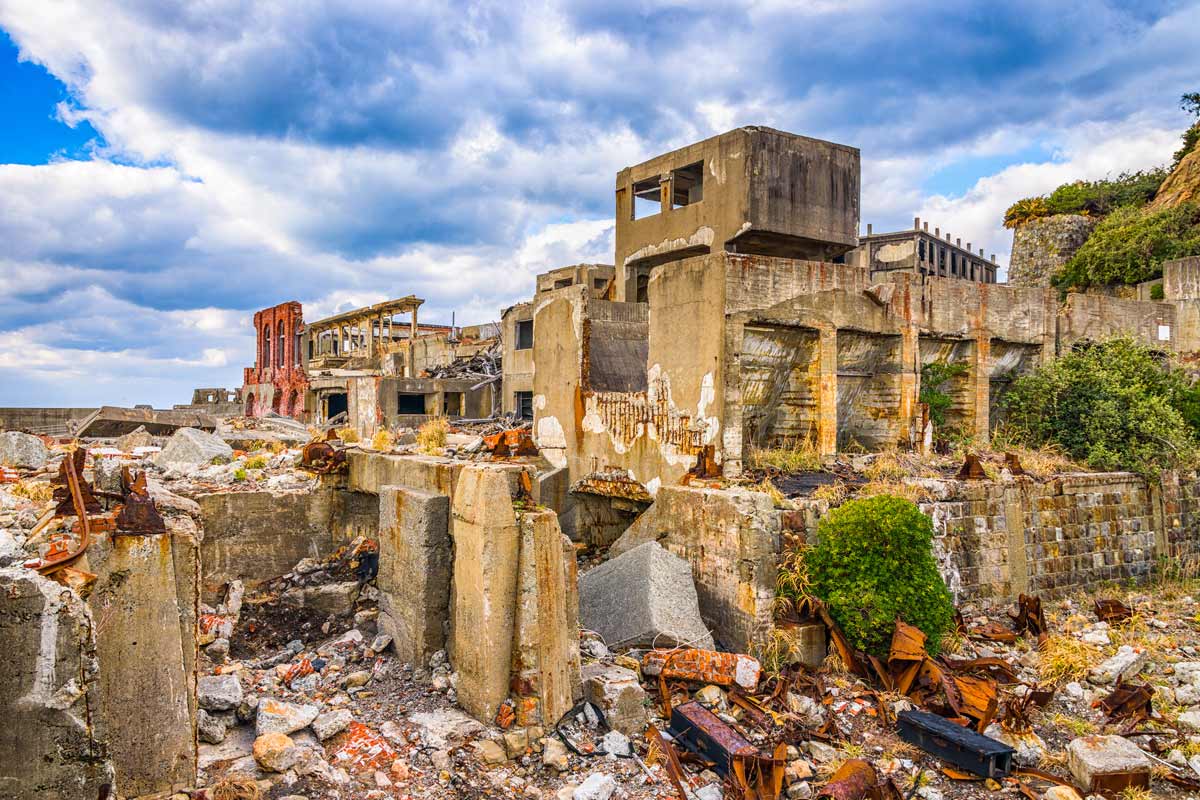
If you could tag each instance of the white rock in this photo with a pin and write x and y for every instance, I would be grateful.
(555, 755)
(596, 786)
(331, 723)
(1127, 663)
(22, 450)
(189, 449)
(219, 692)
(276, 716)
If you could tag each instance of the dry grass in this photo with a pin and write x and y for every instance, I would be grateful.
(37, 491)
(431, 437)
(776, 652)
(797, 456)
(383, 440)
(347, 435)
(235, 787)
(908, 490)
(833, 493)
(777, 498)
(1067, 658)
(257, 462)
(1134, 793)
(1073, 725)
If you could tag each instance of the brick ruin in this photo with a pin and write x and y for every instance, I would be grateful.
(743, 311)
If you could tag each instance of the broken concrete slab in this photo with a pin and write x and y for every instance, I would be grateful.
(47, 687)
(618, 693)
(414, 571)
(643, 598)
(445, 727)
(138, 437)
(219, 692)
(22, 450)
(276, 716)
(1123, 665)
(1110, 763)
(189, 449)
(110, 421)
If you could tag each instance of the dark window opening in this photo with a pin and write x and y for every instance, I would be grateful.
(336, 404)
(921, 248)
(524, 334)
(524, 404)
(942, 260)
(410, 403)
(687, 186)
(564, 283)
(279, 355)
(599, 283)
(643, 288)
(647, 198)
(452, 404)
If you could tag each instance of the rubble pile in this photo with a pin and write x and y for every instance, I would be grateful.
(483, 365)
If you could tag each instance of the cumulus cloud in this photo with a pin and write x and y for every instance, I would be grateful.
(255, 151)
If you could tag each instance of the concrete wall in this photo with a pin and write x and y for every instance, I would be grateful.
(517, 364)
(255, 536)
(37, 420)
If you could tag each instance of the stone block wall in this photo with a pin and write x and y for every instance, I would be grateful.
(1042, 246)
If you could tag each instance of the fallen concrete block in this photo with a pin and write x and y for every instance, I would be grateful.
(276, 716)
(597, 786)
(219, 692)
(138, 437)
(22, 450)
(191, 449)
(414, 571)
(115, 421)
(1125, 664)
(331, 723)
(47, 688)
(1107, 764)
(332, 599)
(618, 693)
(643, 598)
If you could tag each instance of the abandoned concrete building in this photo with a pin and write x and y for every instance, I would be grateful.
(742, 311)
(366, 364)
(922, 253)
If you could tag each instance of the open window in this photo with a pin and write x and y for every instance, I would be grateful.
(452, 404)
(524, 334)
(687, 186)
(524, 404)
(410, 403)
(647, 198)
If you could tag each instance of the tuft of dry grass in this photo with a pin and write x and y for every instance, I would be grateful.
(1076, 726)
(347, 435)
(796, 456)
(431, 436)
(771, 490)
(833, 493)
(256, 462)
(777, 651)
(1066, 658)
(235, 787)
(382, 440)
(37, 491)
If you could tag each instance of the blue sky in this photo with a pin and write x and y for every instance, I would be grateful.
(167, 168)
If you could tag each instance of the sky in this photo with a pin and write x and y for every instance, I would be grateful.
(168, 168)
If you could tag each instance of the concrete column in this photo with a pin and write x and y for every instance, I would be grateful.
(827, 421)
(910, 380)
(412, 345)
(1014, 525)
(414, 570)
(665, 184)
(981, 375)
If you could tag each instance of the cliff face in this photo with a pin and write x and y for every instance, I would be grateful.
(1042, 246)
(1181, 186)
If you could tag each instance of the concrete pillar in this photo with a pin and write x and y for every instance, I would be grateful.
(1014, 526)
(146, 640)
(665, 184)
(414, 571)
(486, 551)
(412, 345)
(910, 380)
(51, 741)
(545, 642)
(827, 421)
(981, 375)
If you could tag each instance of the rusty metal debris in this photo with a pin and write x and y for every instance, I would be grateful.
(972, 469)
(1128, 703)
(138, 515)
(74, 497)
(1012, 463)
(658, 749)
(1029, 617)
(1112, 611)
(707, 666)
(512, 442)
(753, 774)
(323, 458)
(961, 746)
(855, 779)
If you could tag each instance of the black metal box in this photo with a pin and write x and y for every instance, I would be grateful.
(962, 747)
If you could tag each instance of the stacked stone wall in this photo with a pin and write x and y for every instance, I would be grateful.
(1042, 246)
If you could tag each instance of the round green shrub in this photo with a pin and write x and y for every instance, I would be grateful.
(873, 563)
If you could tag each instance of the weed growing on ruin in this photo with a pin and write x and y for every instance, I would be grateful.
(872, 564)
(1113, 405)
(383, 440)
(37, 491)
(1130, 244)
(235, 787)
(794, 596)
(935, 379)
(776, 652)
(771, 490)
(347, 435)
(239, 474)
(1065, 658)
(800, 455)
(257, 462)
(431, 437)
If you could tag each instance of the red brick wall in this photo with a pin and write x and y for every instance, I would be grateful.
(287, 379)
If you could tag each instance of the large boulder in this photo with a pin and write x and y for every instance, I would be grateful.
(643, 598)
(189, 449)
(22, 450)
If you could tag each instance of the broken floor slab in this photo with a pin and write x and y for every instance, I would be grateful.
(53, 745)
(112, 421)
(643, 598)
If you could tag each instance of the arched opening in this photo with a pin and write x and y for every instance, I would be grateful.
(265, 361)
(250, 405)
(294, 408)
(277, 403)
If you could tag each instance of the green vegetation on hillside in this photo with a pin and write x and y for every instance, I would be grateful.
(1115, 405)
(1089, 198)
(1130, 244)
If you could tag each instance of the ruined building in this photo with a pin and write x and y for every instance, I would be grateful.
(922, 253)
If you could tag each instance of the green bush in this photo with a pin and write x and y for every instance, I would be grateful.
(1111, 405)
(1156, 292)
(873, 564)
(1090, 198)
(1130, 245)
(934, 376)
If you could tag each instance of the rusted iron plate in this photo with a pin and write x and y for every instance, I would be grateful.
(660, 748)
(323, 458)
(1128, 703)
(855, 779)
(139, 514)
(1108, 610)
(707, 666)
(1029, 617)
(1012, 462)
(513, 442)
(612, 482)
(972, 469)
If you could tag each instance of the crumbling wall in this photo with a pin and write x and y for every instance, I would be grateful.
(731, 538)
(1042, 246)
(255, 536)
(52, 736)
